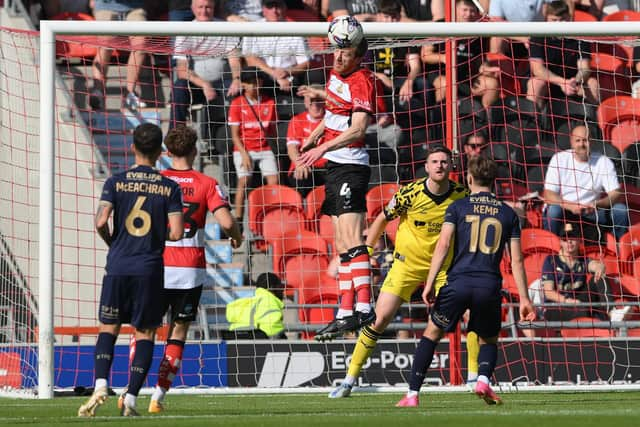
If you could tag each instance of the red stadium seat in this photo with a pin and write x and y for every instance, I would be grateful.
(279, 222)
(392, 229)
(509, 83)
(312, 205)
(581, 16)
(613, 112)
(267, 198)
(326, 293)
(305, 270)
(378, 197)
(538, 240)
(630, 285)
(623, 15)
(533, 266)
(611, 73)
(296, 243)
(585, 331)
(66, 49)
(629, 246)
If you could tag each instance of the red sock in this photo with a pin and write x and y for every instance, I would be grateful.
(361, 277)
(170, 363)
(344, 283)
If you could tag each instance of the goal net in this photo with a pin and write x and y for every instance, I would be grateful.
(55, 160)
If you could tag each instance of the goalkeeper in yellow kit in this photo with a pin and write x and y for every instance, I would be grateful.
(421, 206)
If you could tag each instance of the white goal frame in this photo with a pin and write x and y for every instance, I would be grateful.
(50, 29)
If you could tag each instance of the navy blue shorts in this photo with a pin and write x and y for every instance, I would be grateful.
(137, 300)
(345, 188)
(483, 299)
(183, 303)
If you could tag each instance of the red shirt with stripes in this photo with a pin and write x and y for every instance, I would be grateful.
(256, 125)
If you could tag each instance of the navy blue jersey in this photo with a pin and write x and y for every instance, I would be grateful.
(142, 200)
(483, 225)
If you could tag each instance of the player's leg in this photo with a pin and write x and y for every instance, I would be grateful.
(184, 309)
(386, 307)
(149, 307)
(473, 348)
(485, 319)
(110, 302)
(451, 303)
(351, 228)
(135, 62)
(243, 175)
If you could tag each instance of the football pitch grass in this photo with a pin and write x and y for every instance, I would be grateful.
(529, 409)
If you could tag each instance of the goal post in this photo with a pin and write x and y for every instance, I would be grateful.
(49, 110)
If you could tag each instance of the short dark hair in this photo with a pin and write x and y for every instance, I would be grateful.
(469, 3)
(147, 138)
(270, 282)
(181, 140)
(477, 134)
(483, 170)
(390, 7)
(558, 8)
(362, 48)
(438, 148)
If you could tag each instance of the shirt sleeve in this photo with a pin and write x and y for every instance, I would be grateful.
(610, 177)
(552, 178)
(216, 197)
(363, 95)
(108, 191)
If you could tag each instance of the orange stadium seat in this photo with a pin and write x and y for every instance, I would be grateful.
(615, 110)
(326, 293)
(66, 49)
(378, 197)
(305, 270)
(509, 83)
(538, 240)
(585, 331)
(267, 198)
(279, 222)
(630, 285)
(623, 15)
(624, 134)
(312, 205)
(581, 16)
(629, 249)
(611, 73)
(296, 243)
(533, 265)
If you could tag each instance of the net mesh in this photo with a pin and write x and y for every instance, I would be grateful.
(287, 233)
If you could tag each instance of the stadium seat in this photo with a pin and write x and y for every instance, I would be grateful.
(72, 49)
(312, 205)
(279, 222)
(305, 270)
(581, 16)
(538, 240)
(585, 331)
(630, 285)
(509, 83)
(392, 229)
(326, 293)
(614, 110)
(611, 73)
(625, 134)
(533, 265)
(629, 249)
(623, 15)
(325, 229)
(296, 243)
(267, 198)
(378, 197)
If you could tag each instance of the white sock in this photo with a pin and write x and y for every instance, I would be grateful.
(412, 393)
(342, 313)
(349, 380)
(472, 377)
(363, 307)
(483, 379)
(130, 400)
(101, 383)
(158, 394)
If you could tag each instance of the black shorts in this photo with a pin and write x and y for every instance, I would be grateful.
(137, 300)
(345, 188)
(483, 299)
(183, 303)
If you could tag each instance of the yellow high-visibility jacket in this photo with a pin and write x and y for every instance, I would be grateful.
(262, 311)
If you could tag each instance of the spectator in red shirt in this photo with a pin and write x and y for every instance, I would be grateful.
(252, 119)
(302, 177)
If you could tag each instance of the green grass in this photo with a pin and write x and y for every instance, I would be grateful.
(532, 409)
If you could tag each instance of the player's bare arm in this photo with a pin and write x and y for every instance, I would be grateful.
(176, 226)
(229, 226)
(527, 312)
(102, 222)
(439, 255)
(312, 139)
(355, 132)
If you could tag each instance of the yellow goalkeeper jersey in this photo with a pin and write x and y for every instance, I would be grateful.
(421, 216)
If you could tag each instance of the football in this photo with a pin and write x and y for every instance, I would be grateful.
(345, 31)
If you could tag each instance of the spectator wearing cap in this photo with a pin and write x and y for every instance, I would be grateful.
(565, 280)
(252, 121)
(262, 314)
(581, 186)
(201, 77)
(283, 59)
